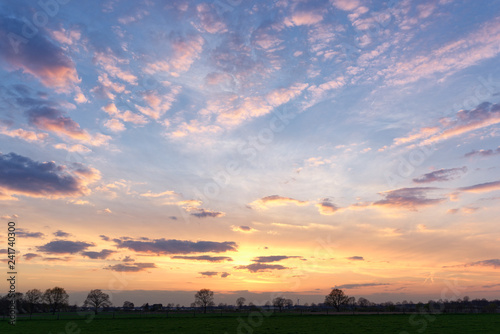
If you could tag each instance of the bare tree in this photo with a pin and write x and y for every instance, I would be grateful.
(56, 298)
(336, 298)
(204, 298)
(33, 297)
(279, 302)
(96, 298)
(240, 302)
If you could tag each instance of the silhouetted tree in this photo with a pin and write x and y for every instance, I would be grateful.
(363, 302)
(351, 301)
(279, 302)
(56, 298)
(33, 297)
(288, 303)
(128, 305)
(96, 298)
(204, 298)
(240, 302)
(336, 298)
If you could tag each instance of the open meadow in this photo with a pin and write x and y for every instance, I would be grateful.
(256, 322)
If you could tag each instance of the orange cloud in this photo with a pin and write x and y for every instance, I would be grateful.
(275, 200)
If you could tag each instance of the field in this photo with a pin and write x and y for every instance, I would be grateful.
(259, 323)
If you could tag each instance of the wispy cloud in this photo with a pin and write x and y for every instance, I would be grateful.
(275, 200)
(206, 258)
(360, 285)
(273, 258)
(483, 153)
(409, 198)
(441, 175)
(260, 267)
(494, 263)
(482, 187)
(243, 228)
(133, 268)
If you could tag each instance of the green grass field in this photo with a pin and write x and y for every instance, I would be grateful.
(258, 323)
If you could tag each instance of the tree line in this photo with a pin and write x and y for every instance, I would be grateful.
(57, 299)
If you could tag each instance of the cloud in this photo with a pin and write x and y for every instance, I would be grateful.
(29, 256)
(52, 259)
(114, 125)
(186, 49)
(450, 58)
(465, 121)
(214, 273)
(136, 267)
(126, 116)
(137, 16)
(202, 213)
(61, 234)
(326, 207)
(441, 175)
(275, 200)
(244, 229)
(355, 258)
(300, 18)
(110, 63)
(173, 246)
(207, 258)
(483, 153)
(64, 247)
(159, 104)
(104, 211)
(422, 133)
(482, 187)
(410, 198)
(168, 193)
(73, 148)
(209, 20)
(104, 237)
(21, 232)
(22, 176)
(260, 267)
(234, 109)
(347, 5)
(484, 115)
(38, 56)
(273, 258)
(29, 136)
(64, 36)
(105, 253)
(51, 119)
(362, 285)
(495, 263)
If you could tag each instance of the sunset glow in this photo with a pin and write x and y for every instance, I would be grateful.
(252, 148)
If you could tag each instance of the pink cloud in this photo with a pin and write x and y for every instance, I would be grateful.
(303, 18)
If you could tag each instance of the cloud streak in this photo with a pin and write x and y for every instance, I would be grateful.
(441, 175)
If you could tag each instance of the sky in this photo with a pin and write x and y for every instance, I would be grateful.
(255, 148)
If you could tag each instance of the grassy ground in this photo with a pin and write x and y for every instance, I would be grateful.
(259, 323)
